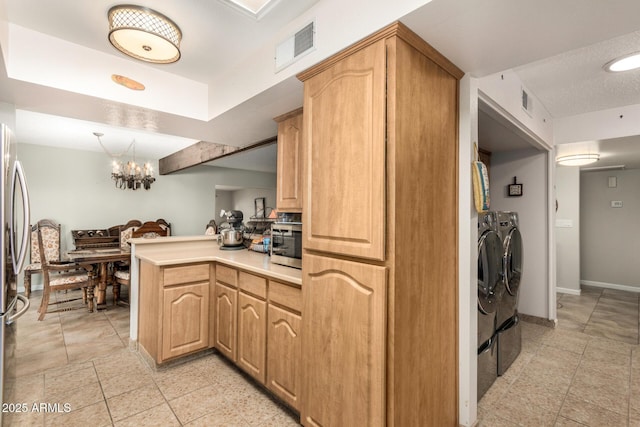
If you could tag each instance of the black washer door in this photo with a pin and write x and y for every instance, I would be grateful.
(513, 261)
(489, 270)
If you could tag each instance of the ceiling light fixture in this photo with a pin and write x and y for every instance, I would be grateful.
(604, 168)
(144, 34)
(129, 175)
(578, 159)
(623, 63)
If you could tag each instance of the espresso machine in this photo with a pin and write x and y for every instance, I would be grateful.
(231, 233)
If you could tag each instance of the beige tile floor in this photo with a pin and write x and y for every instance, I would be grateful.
(585, 372)
(82, 359)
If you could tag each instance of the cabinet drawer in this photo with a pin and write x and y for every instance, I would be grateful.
(186, 274)
(253, 284)
(227, 275)
(286, 295)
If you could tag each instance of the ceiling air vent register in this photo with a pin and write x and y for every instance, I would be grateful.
(527, 102)
(296, 46)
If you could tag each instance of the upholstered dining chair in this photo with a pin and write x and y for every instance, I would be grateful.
(121, 269)
(211, 228)
(122, 275)
(51, 235)
(165, 225)
(58, 276)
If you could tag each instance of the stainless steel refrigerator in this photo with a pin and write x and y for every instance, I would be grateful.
(15, 243)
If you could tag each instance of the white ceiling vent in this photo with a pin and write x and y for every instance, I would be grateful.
(296, 46)
(527, 102)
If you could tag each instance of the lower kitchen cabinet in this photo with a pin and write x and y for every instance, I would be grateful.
(252, 336)
(283, 349)
(344, 305)
(185, 320)
(174, 313)
(225, 320)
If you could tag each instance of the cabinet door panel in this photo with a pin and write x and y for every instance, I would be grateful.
(284, 355)
(343, 330)
(344, 131)
(225, 335)
(289, 191)
(252, 334)
(186, 319)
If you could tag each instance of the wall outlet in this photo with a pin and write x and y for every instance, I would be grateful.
(616, 203)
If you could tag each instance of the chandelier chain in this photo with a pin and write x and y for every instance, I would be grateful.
(117, 156)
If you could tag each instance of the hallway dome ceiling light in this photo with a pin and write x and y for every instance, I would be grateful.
(623, 63)
(578, 159)
(144, 34)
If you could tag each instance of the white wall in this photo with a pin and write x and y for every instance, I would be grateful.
(243, 200)
(530, 166)
(355, 19)
(610, 237)
(568, 229)
(467, 257)
(75, 188)
(504, 93)
(598, 125)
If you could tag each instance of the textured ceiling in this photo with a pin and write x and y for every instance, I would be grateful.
(575, 82)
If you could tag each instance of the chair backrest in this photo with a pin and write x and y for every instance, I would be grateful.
(164, 224)
(126, 232)
(211, 228)
(50, 232)
(151, 227)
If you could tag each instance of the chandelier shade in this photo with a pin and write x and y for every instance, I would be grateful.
(578, 159)
(144, 34)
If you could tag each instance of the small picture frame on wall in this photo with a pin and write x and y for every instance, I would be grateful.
(259, 203)
(515, 189)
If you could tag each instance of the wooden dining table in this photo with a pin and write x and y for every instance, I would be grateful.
(100, 259)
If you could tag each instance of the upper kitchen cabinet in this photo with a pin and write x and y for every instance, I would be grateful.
(381, 178)
(344, 136)
(289, 187)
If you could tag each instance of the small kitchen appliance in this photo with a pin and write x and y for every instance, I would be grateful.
(231, 237)
(286, 240)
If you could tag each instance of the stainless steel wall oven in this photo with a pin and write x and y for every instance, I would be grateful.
(286, 244)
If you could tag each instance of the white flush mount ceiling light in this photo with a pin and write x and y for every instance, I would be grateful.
(578, 159)
(624, 63)
(144, 34)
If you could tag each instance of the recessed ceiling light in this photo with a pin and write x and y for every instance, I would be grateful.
(254, 8)
(578, 159)
(624, 63)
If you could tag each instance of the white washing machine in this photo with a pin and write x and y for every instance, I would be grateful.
(489, 281)
(507, 320)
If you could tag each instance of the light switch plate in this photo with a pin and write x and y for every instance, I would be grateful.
(564, 223)
(616, 203)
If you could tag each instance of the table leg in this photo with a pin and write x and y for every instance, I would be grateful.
(116, 292)
(90, 289)
(101, 296)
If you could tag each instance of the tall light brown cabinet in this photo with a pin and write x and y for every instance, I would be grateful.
(380, 327)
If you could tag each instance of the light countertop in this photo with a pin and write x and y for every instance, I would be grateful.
(164, 251)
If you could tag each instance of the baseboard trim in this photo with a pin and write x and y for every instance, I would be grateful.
(568, 291)
(627, 288)
(549, 323)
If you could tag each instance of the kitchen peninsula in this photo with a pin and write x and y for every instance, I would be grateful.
(187, 295)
